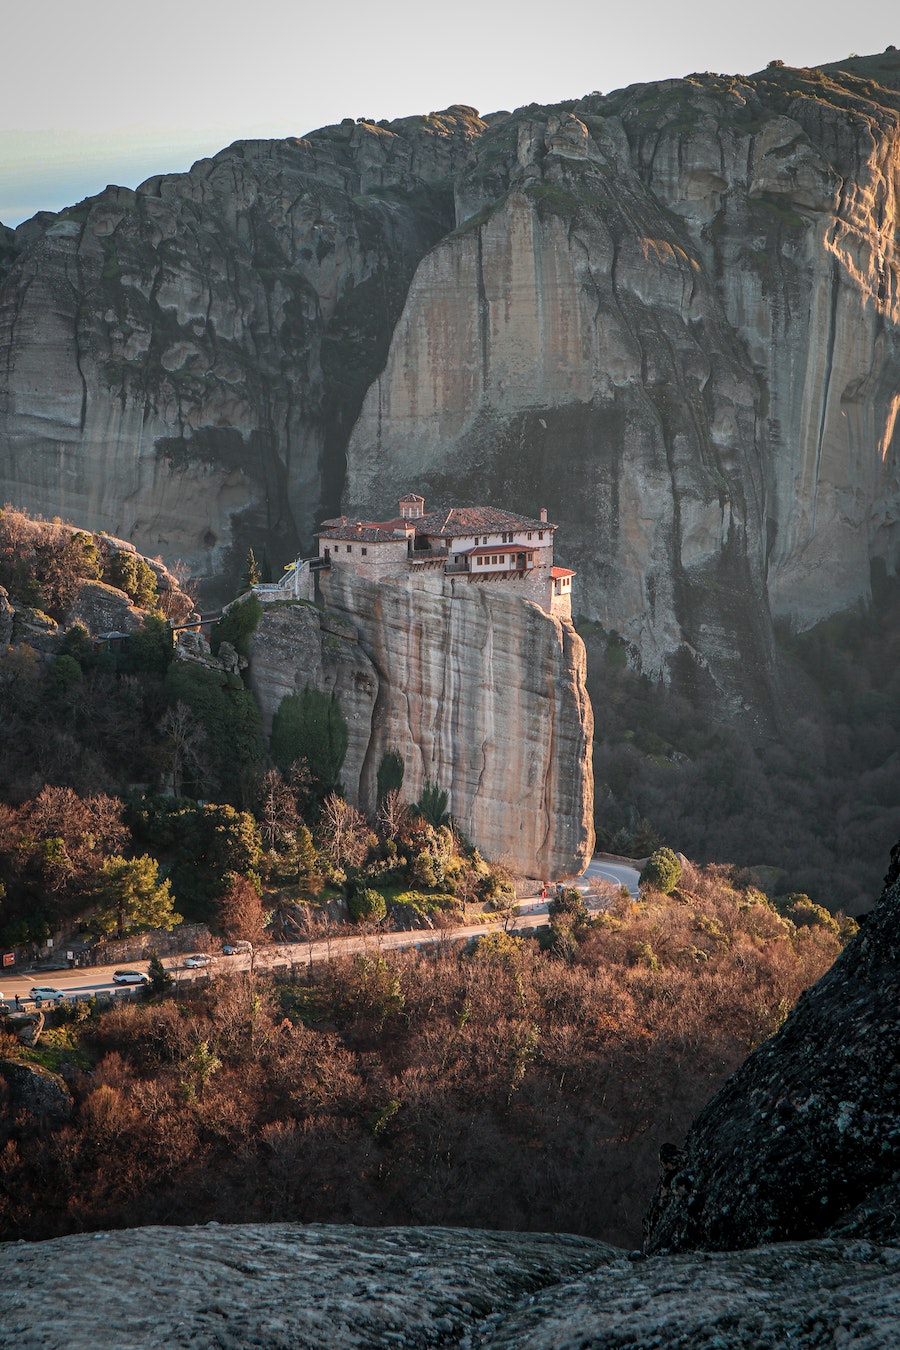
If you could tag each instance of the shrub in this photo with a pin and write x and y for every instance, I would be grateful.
(662, 871)
(236, 626)
(367, 906)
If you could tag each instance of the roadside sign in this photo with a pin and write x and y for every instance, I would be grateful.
(9, 958)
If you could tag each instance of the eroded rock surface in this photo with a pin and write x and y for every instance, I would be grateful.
(671, 314)
(482, 692)
(282, 1285)
(36, 1090)
(805, 1137)
(288, 1287)
(182, 364)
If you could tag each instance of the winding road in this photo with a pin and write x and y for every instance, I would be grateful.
(84, 981)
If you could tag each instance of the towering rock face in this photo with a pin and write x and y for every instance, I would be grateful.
(671, 314)
(482, 692)
(182, 364)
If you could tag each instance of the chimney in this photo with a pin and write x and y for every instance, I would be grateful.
(359, 525)
(544, 514)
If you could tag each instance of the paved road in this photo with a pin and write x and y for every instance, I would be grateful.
(606, 870)
(83, 982)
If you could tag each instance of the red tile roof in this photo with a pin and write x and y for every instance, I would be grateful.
(460, 521)
(557, 572)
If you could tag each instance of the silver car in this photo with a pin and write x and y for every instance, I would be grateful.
(42, 993)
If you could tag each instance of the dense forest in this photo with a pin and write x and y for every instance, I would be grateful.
(810, 804)
(510, 1084)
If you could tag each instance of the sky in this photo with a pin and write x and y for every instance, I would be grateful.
(103, 92)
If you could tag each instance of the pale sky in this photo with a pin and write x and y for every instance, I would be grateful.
(109, 91)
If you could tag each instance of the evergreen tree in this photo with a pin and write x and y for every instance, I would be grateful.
(432, 805)
(252, 575)
(662, 871)
(134, 897)
(390, 772)
(160, 979)
(311, 727)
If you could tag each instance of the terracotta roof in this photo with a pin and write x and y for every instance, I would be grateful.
(398, 523)
(557, 572)
(463, 520)
(366, 534)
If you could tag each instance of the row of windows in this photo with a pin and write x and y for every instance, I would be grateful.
(499, 559)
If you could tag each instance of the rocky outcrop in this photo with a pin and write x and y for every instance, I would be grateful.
(670, 313)
(182, 364)
(36, 1090)
(342, 1288)
(481, 691)
(296, 645)
(805, 1137)
(104, 609)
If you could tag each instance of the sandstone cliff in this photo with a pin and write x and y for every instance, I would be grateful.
(670, 314)
(181, 364)
(482, 692)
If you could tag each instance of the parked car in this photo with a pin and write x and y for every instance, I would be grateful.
(193, 962)
(232, 948)
(42, 993)
(130, 977)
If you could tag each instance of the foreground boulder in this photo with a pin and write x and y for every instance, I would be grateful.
(805, 1137)
(343, 1288)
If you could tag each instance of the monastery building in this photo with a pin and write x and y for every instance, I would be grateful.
(462, 545)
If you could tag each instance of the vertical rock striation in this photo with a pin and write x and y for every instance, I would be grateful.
(482, 692)
(181, 365)
(672, 314)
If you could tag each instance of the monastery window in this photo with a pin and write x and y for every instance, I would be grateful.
(494, 558)
(529, 534)
(349, 548)
(540, 534)
(502, 558)
(364, 551)
(531, 557)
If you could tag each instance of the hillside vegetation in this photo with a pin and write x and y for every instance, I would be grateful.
(512, 1084)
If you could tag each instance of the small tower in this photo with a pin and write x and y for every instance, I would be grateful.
(412, 507)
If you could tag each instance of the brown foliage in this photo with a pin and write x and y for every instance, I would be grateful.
(241, 914)
(513, 1090)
